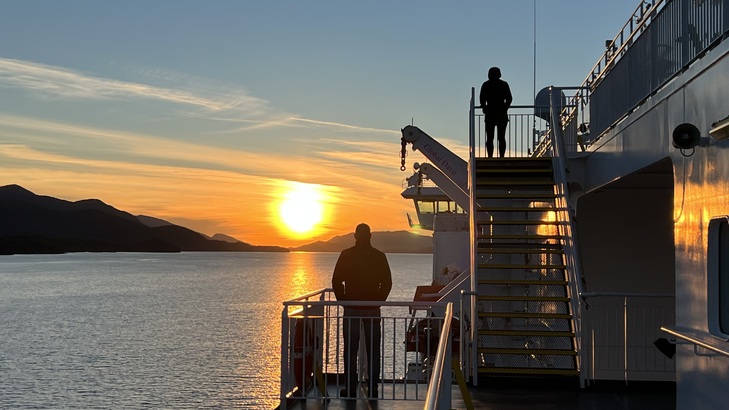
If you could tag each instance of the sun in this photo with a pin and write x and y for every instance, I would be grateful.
(301, 209)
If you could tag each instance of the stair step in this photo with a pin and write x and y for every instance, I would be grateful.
(526, 315)
(483, 298)
(534, 371)
(522, 222)
(540, 333)
(553, 352)
(516, 209)
(534, 237)
(518, 251)
(515, 195)
(480, 182)
(517, 282)
(505, 266)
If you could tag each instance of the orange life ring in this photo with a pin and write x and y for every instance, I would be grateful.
(303, 354)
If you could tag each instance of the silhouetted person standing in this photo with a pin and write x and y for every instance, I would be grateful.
(362, 273)
(495, 101)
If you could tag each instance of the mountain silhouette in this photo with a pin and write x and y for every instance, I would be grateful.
(31, 223)
(388, 242)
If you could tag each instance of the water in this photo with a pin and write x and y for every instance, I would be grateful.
(190, 330)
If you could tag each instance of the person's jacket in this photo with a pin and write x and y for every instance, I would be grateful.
(495, 98)
(362, 273)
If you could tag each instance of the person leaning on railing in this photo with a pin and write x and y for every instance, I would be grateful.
(362, 273)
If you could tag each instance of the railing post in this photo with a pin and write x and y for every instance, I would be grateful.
(445, 395)
(472, 229)
(284, 356)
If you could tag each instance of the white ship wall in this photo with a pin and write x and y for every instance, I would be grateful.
(643, 200)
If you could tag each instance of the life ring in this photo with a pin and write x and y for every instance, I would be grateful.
(303, 354)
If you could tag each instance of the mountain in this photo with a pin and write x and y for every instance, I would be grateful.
(225, 238)
(151, 221)
(31, 223)
(388, 242)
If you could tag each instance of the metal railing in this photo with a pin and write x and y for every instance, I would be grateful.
(659, 41)
(439, 388)
(523, 132)
(622, 329)
(312, 347)
(565, 216)
(699, 339)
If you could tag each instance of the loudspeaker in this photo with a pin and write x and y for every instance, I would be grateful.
(686, 136)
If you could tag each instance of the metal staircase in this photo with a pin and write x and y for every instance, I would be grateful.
(525, 326)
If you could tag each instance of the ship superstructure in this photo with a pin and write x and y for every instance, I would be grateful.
(597, 250)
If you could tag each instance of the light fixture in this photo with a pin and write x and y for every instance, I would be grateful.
(720, 129)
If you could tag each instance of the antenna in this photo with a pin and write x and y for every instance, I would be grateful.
(534, 80)
(534, 68)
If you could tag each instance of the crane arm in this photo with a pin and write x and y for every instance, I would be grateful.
(450, 164)
(454, 192)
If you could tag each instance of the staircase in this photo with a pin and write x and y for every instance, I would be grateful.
(525, 325)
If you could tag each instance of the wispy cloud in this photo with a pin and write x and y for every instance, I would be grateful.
(56, 82)
(31, 139)
(340, 125)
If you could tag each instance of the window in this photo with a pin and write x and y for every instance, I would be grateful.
(426, 207)
(718, 277)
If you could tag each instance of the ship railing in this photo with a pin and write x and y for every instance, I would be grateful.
(524, 131)
(566, 216)
(660, 40)
(440, 385)
(704, 343)
(527, 133)
(623, 333)
(312, 348)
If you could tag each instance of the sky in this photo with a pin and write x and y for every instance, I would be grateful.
(275, 122)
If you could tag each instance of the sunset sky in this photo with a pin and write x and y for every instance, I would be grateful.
(231, 116)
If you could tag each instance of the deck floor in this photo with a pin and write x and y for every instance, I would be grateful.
(601, 396)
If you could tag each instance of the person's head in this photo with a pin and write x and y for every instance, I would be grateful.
(494, 73)
(362, 232)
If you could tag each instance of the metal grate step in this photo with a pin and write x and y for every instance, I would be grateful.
(524, 298)
(516, 209)
(526, 333)
(527, 237)
(532, 371)
(525, 315)
(517, 282)
(521, 266)
(532, 250)
(518, 222)
(551, 352)
(534, 196)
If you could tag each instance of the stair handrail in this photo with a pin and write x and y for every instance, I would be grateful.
(573, 262)
(472, 237)
(439, 385)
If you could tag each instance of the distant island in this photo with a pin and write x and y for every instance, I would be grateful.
(36, 224)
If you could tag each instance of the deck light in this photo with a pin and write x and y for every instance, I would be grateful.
(720, 129)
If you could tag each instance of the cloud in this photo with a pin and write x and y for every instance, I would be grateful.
(56, 82)
(340, 125)
(56, 142)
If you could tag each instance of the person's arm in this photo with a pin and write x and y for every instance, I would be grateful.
(338, 279)
(386, 280)
(508, 99)
(482, 97)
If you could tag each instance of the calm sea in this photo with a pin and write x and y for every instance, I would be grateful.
(131, 330)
